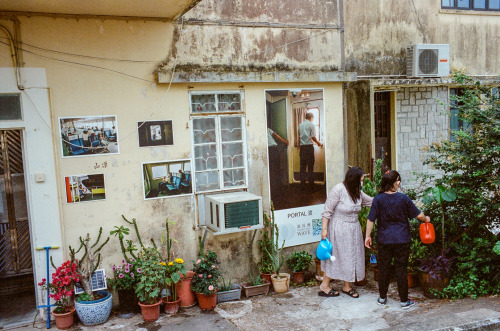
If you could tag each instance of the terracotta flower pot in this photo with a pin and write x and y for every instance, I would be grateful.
(298, 277)
(427, 283)
(412, 280)
(206, 302)
(65, 320)
(282, 284)
(266, 277)
(171, 307)
(361, 282)
(184, 292)
(150, 313)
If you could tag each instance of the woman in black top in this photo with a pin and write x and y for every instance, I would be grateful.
(392, 211)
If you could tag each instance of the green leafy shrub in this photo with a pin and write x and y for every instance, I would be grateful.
(151, 276)
(300, 261)
(206, 274)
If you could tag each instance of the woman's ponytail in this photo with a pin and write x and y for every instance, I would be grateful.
(388, 180)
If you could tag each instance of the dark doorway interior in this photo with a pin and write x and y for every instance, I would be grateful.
(383, 128)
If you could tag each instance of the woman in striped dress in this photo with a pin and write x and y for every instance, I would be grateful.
(340, 224)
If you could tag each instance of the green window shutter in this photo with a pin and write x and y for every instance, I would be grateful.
(240, 214)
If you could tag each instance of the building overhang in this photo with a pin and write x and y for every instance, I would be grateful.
(394, 83)
(254, 76)
(159, 9)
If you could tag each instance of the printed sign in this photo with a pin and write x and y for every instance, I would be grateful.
(299, 226)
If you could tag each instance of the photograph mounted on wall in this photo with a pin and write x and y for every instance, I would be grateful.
(166, 179)
(155, 133)
(82, 188)
(89, 135)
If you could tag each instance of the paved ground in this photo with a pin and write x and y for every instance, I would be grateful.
(302, 309)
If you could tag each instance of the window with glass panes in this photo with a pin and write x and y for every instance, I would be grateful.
(219, 144)
(493, 5)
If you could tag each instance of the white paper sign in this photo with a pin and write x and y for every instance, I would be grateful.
(299, 226)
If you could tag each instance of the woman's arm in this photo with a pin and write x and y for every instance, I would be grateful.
(330, 204)
(366, 200)
(368, 238)
(324, 227)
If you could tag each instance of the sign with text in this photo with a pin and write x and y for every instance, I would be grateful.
(300, 225)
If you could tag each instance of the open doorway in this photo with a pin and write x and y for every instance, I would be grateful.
(291, 184)
(383, 129)
(17, 292)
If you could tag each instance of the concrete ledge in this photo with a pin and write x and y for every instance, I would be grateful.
(256, 77)
(487, 324)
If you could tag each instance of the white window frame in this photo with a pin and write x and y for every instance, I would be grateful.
(218, 115)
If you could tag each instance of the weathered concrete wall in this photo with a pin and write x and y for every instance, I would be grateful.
(421, 121)
(231, 46)
(84, 90)
(357, 99)
(378, 31)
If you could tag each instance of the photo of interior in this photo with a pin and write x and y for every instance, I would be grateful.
(166, 179)
(83, 188)
(288, 112)
(81, 136)
(155, 133)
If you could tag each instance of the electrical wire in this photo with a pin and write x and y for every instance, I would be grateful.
(81, 64)
(84, 56)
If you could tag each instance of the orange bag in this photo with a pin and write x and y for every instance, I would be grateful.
(427, 234)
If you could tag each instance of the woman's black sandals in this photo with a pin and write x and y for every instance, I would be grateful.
(352, 292)
(332, 293)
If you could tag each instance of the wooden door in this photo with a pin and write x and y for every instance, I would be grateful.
(383, 128)
(15, 243)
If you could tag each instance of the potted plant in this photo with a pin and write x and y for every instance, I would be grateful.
(256, 286)
(92, 307)
(417, 252)
(173, 271)
(228, 291)
(434, 273)
(299, 262)
(61, 290)
(280, 281)
(149, 283)
(124, 281)
(265, 243)
(205, 280)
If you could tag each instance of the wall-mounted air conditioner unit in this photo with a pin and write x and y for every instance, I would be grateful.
(232, 212)
(428, 60)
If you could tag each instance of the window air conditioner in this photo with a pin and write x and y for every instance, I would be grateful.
(233, 212)
(428, 60)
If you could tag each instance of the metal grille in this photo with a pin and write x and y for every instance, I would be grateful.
(428, 61)
(15, 244)
(240, 214)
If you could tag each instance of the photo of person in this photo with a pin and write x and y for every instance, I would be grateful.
(83, 188)
(155, 133)
(166, 179)
(297, 172)
(88, 135)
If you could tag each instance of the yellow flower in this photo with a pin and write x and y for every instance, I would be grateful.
(171, 263)
(163, 263)
(180, 261)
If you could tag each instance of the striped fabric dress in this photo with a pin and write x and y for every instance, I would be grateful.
(345, 234)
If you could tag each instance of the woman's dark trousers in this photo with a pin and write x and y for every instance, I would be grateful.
(400, 253)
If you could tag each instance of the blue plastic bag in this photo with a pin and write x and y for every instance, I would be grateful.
(324, 250)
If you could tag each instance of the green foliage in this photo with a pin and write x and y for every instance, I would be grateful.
(151, 276)
(265, 244)
(84, 297)
(300, 261)
(173, 271)
(124, 276)
(274, 250)
(225, 286)
(476, 271)
(255, 280)
(206, 274)
(469, 164)
(417, 251)
(496, 248)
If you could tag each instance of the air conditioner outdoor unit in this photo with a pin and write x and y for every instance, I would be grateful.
(428, 60)
(233, 212)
